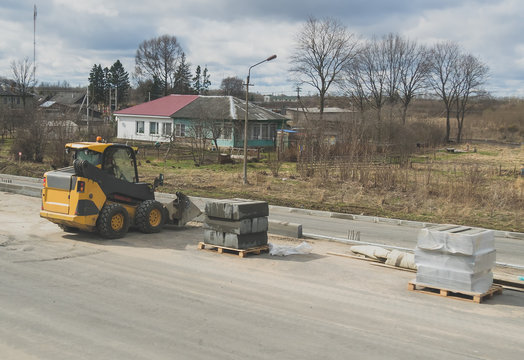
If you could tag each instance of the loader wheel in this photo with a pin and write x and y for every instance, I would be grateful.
(113, 221)
(150, 216)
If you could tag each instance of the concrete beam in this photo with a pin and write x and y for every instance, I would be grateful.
(240, 227)
(285, 228)
(236, 209)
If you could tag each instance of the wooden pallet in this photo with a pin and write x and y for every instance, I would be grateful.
(232, 251)
(459, 295)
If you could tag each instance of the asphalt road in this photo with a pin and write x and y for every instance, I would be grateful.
(74, 296)
(509, 250)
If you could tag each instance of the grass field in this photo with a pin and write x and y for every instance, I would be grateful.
(481, 188)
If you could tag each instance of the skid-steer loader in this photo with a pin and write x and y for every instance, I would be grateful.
(101, 192)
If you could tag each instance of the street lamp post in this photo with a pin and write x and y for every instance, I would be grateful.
(246, 120)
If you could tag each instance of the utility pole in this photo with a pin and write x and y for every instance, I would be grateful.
(247, 115)
(34, 44)
(87, 110)
(298, 95)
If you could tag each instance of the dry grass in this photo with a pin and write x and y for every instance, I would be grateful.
(478, 189)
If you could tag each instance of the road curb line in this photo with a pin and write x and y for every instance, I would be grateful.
(6, 184)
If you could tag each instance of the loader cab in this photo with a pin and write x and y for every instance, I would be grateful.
(120, 162)
(116, 160)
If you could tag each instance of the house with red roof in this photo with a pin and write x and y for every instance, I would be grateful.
(186, 116)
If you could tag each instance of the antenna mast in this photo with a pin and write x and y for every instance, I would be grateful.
(34, 44)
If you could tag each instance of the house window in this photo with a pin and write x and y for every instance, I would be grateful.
(265, 131)
(227, 131)
(255, 132)
(167, 129)
(153, 128)
(262, 131)
(139, 127)
(180, 130)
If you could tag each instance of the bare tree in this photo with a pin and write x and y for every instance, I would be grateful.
(60, 129)
(445, 59)
(23, 77)
(413, 67)
(392, 47)
(232, 86)
(158, 58)
(371, 74)
(323, 48)
(353, 87)
(198, 135)
(31, 139)
(472, 74)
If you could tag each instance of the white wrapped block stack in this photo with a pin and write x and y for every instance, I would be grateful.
(456, 258)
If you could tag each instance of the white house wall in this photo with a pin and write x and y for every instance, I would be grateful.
(126, 127)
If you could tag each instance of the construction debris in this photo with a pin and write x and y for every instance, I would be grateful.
(395, 258)
(370, 251)
(285, 250)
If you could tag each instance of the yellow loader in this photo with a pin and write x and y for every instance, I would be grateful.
(102, 192)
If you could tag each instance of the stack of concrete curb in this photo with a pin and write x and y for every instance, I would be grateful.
(237, 224)
(456, 258)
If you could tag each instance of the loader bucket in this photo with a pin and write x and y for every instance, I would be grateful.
(182, 210)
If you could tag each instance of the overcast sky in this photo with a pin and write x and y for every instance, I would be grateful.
(230, 35)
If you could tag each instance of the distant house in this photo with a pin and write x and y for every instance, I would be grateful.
(71, 101)
(11, 99)
(280, 98)
(184, 116)
(332, 120)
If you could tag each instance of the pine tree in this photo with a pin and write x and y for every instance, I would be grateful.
(182, 83)
(107, 86)
(119, 81)
(97, 84)
(205, 81)
(197, 83)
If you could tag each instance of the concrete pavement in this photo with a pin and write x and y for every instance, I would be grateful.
(75, 296)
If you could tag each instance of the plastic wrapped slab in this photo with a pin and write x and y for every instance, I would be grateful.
(235, 241)
(455, 280)
(236, 209)
(481, 261)
(456, 239)
(240, 227)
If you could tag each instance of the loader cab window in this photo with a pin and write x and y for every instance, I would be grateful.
(120, 163)
(93, 157)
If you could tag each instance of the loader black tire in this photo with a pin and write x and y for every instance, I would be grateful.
(78, 166)
(113, 221)
(150, 216)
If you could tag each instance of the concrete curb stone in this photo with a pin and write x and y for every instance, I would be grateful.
(6, 184)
